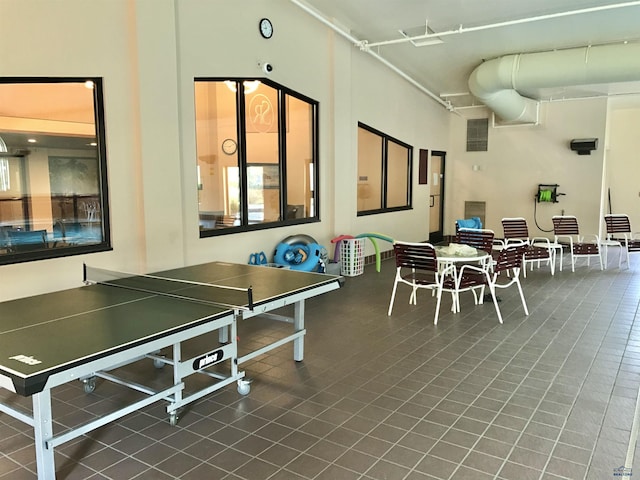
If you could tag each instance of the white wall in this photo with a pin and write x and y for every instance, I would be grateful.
(381, 100)
(149, 51)
(521, 157)
(623, 161)
(77, 38)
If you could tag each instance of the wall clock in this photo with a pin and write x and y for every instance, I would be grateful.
(229, 146)
(266, 28)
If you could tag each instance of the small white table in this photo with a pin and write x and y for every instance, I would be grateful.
(452, 255)
(447, 255)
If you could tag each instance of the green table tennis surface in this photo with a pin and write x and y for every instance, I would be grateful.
(49, 333)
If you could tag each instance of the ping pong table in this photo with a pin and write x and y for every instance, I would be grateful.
(117, 319)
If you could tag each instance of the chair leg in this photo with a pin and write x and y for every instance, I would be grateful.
(455, 302)
(561, 256)
(524, 302)
(573, 262)
(439, 297)
(393, 296)
(628, 258)
(492, 290)
(413, 298)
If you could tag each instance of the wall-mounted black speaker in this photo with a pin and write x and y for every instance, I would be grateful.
(584, 146)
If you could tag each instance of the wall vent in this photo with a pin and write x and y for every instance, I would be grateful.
(475, 209)
(477, 134)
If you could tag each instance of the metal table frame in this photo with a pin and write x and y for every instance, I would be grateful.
(41, 418)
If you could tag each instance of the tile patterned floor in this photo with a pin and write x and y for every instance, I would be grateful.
(547, 396)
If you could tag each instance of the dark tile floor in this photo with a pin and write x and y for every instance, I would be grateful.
(547, 396)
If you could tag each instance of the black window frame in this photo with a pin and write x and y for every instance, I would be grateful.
(243, 162)
(98, 109)
(384, 177)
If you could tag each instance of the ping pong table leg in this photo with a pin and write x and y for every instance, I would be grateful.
(43, 431)
(298, 326)
(223, 334)
(177, 380)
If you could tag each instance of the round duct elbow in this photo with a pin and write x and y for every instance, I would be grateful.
(496, 82)
(493, 84)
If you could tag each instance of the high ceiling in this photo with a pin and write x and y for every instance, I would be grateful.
(473, 31)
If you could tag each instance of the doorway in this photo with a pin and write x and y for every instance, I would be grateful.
(436, 197)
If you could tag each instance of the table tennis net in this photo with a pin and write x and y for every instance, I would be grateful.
(209, 293)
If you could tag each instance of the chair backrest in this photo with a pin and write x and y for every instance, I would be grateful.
(482, 239)
(565, 225)
(421, 256)
(515, 228)
(27, 240)
(473, 222)
(510, 257)
(617, 223)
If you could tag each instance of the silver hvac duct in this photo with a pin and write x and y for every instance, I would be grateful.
(497, 82)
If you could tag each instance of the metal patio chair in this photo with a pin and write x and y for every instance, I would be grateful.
(417, 266)
(509, 262)
(565, 227)
(538, 249)
(620, 234)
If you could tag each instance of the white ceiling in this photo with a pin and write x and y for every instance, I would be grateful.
(443, 69)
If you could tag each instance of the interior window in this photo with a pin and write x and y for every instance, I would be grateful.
(384, 172)
(256, 150)
(52, 168)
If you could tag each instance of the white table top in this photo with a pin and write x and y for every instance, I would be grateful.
(454, 254)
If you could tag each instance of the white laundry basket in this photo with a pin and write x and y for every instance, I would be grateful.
(352, 256)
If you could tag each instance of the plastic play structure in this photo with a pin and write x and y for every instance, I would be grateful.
(299, 252)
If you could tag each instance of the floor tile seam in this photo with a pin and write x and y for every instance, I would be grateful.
(361, 475)
(411, 469)
(496, 348)
(415, 369)
(396, 410)
(594, 357)
(305, 452)
(630, 448)
(513, 393)
(349, 361)
(18, 465)
(209, 462)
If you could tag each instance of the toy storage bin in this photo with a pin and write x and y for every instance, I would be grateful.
(352, 256)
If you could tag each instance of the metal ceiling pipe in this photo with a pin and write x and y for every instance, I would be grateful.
(507, 23)
(498, 82)
(362, 45)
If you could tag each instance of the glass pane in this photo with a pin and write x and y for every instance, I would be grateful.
(263, 173)
(50, 168)
(219, 201)
(397, 175)
(299, 159)
(369, 170)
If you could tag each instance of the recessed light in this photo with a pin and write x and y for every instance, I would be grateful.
(32, 140)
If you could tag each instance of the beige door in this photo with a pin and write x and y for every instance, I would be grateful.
(436, 196)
